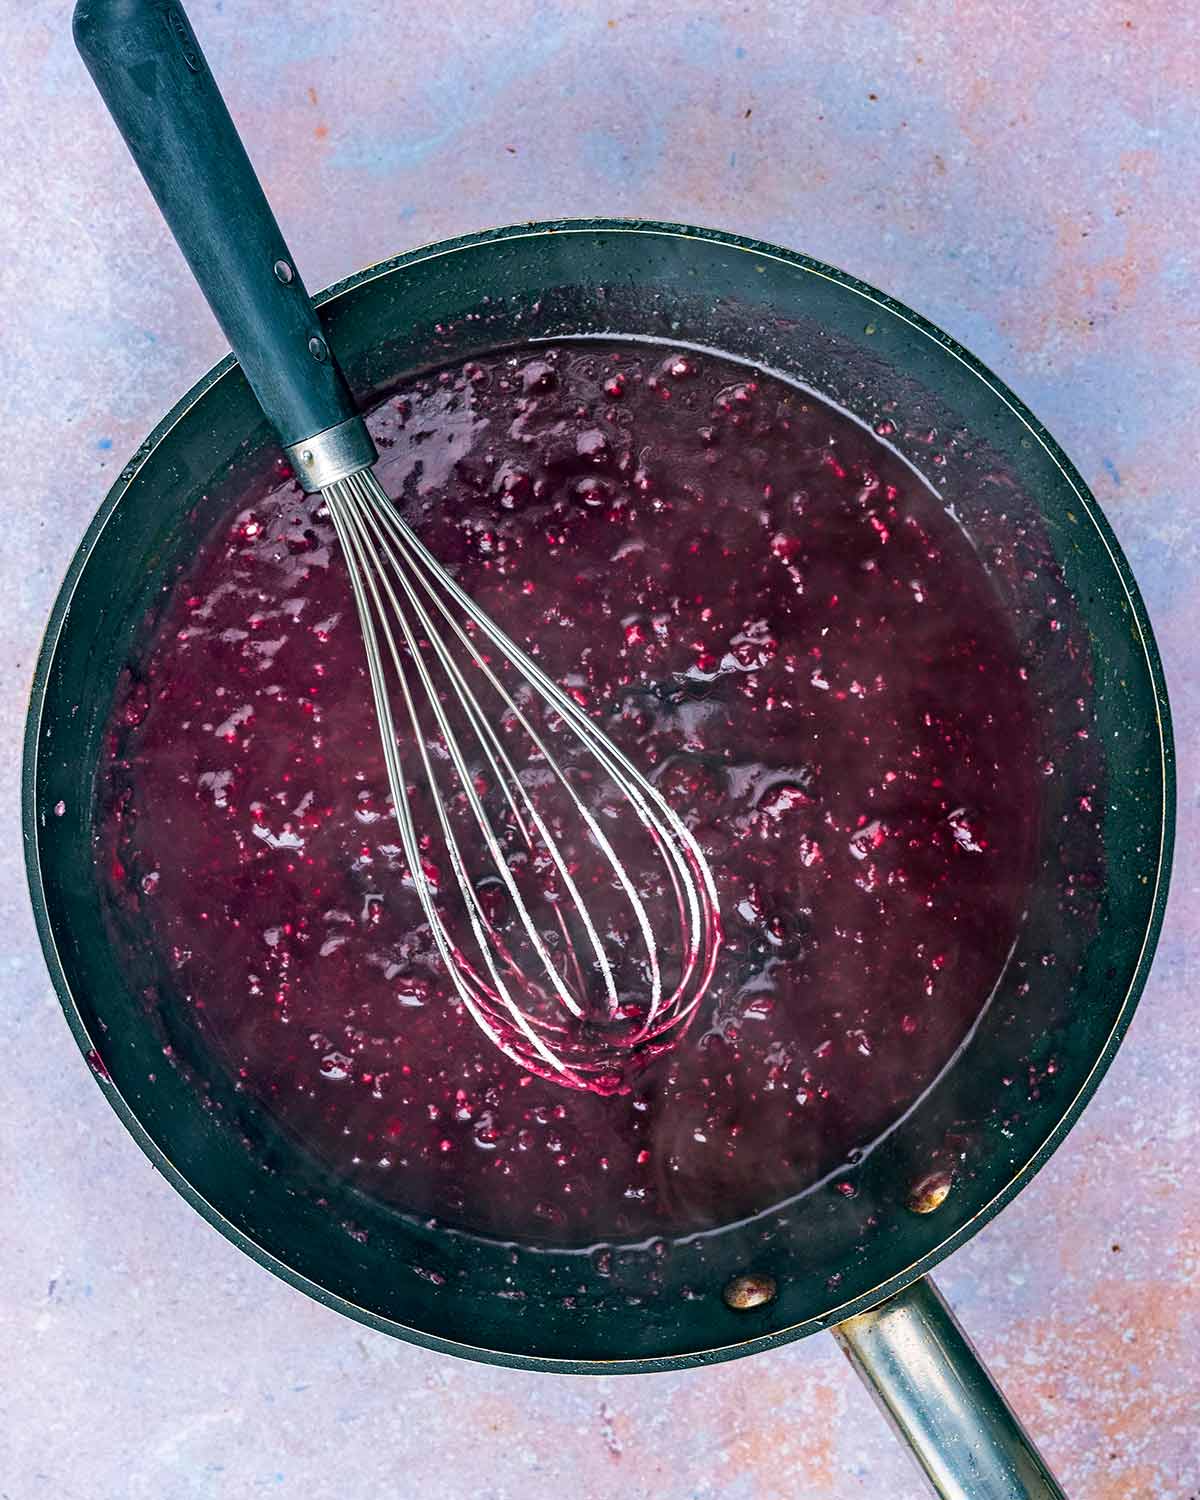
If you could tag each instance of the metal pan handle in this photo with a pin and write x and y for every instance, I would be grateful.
(933, 1388)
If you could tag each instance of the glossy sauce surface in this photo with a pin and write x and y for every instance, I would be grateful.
(770, 614)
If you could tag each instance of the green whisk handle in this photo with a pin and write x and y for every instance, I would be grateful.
(147, 64)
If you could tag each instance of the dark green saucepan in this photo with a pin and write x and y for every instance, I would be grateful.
(828, 1258)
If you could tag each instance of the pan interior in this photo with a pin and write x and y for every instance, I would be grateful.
(1082, 951)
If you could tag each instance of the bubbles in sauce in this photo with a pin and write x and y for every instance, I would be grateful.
(769, 613)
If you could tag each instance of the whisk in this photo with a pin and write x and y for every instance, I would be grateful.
(451, 691)
(420, 632)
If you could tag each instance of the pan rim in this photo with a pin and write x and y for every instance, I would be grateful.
(1017, 1180)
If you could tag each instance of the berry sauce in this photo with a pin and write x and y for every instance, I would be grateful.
(770, 614)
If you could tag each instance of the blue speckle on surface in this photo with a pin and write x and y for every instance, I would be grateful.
(739, 52)
(104, 444)
(1111, 469)
(625, 158)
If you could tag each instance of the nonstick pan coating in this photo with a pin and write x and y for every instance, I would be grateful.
(621, 1307)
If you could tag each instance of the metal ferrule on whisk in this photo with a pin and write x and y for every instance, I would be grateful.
(331, 455)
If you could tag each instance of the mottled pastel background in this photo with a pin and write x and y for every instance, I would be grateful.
(1026, 175)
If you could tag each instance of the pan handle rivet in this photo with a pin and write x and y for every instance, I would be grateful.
(283, 271)
(316, 347)
(930, 1192)
(750, 1290)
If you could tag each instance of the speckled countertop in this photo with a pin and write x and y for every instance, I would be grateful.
(1022, 174)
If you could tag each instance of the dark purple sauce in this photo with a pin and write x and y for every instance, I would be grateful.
(772, 616)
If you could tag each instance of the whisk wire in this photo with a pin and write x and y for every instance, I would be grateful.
(454, 751)
(395, 578)
(508, 779)
(418, 557)
(639, 791)
(365, 586)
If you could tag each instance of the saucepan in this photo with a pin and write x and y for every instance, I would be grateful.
(856, 1264)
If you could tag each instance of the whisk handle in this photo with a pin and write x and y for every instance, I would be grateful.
(145, 60)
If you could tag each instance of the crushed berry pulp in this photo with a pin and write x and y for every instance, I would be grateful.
(771, 614)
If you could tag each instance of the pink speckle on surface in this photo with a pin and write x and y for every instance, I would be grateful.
(1021, 176)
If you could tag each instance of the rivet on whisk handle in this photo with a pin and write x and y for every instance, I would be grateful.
(331, 455)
